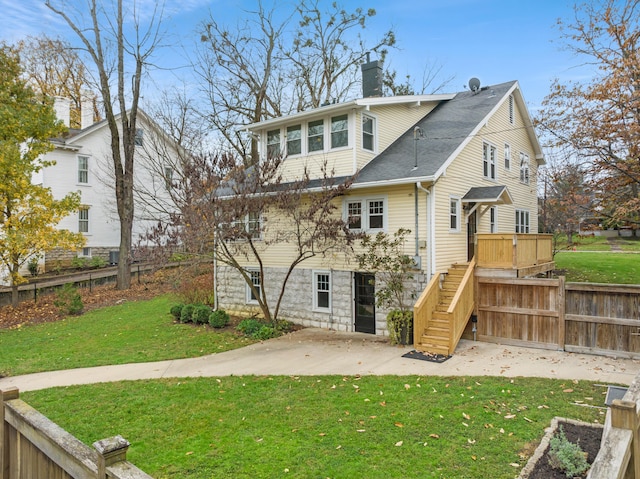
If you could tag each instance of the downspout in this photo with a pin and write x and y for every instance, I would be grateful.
(418, 186)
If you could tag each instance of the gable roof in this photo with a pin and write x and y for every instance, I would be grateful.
(498, 194)
(446, 131)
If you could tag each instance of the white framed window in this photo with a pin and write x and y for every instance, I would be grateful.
(368, 133)
(168, 177)
(315, 135)
(294, 140)
(251, 223)
(85, 253)
(273, 143)
(322, 291)
(507, 156)
(489, 161)
(524, 168)
(493, 219)
(83, 220)
(454, 214)
(83, 169)
(366, 214)
(522, 221)
(511, 113)
(139, 138)
(339, 131)
(252, 297)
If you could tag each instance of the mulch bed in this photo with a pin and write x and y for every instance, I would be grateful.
(587, 437)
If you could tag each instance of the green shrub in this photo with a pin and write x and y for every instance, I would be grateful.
(249, 327)
(68, 300)
(265, 332)
(33, 266)
(176, 311)
(186, 315)
(219, 319)
(201, 314)
(98, 262)
(80, 262)
(567, 456)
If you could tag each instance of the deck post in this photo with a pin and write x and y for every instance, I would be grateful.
(624, 416)
(110, 451)
(6, 395)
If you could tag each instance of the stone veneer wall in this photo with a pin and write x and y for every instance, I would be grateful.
(62, 258)
(297, 304)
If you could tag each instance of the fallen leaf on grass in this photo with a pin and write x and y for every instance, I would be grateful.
(398, 424)
(399, 443)
(435, 436)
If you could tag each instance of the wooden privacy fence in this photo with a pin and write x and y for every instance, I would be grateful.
(551, 314)
(32, 446)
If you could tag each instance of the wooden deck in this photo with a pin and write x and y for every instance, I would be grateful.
(514, 255)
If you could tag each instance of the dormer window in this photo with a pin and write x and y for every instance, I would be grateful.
(339, 131)
(316, 135)
(273, 144)
(294, 140)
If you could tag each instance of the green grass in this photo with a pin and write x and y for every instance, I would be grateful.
(132, 332)
(325, 426)
(616, 268)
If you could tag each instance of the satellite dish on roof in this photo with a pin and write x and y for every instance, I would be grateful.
(474, 84)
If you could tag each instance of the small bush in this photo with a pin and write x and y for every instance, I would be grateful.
(33, 266)
(68, 300)
(567, 456)
(98, 262)
(265, 332)
(249, 327)
(80, 263)
(176, 311)
(201, 314)
(219, 319)
(186, 315)
(198, 289)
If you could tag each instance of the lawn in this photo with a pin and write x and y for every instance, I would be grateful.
(131, 332)
(324, 426)
(593, 267)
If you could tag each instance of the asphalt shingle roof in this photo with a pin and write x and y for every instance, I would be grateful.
(445, 129)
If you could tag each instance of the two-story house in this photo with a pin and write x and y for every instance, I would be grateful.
(83, 162)
(445, 166)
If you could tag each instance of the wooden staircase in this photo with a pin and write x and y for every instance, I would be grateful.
(439, 336)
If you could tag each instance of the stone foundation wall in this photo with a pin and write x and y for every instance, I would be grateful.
(61, 258)
(297, 304)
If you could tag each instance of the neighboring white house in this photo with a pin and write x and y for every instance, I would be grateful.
(445, 166)
(83, 163)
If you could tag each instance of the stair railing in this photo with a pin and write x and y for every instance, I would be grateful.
(425, 306)
(461, 306)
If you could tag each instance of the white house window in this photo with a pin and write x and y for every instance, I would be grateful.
(339, 131)
(273, 144)
(493, 219)
(86, 253)
(524, 168)
(250, 223)
(376, 214)
(83, 169)
(489, 161)
(454, 215)
(294, 140)
(315, 135)
(511, 115)
(139, 137)
(507, 156)
(354, 215)
(322, 291)
(255, 281)
(83, 220)
(368, 136)
(366, 214)
(522, 221)
(168, 177)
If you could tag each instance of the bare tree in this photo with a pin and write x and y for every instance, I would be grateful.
(122, 60)
(240, 213)
(53, 68)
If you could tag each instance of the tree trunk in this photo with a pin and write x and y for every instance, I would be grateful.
(124, 260)
(15, 296)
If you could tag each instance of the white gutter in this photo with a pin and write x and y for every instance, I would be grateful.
(429, 223)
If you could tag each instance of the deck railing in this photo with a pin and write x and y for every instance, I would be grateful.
(513, 250)
(462, 305)
(31, 445)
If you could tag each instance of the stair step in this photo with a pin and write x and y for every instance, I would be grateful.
(434, 340)
(440, 316)
(433, 348)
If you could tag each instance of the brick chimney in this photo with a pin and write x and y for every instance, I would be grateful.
(371, 78)
(61, 106)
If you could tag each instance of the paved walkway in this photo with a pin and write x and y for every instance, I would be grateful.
(317, 352)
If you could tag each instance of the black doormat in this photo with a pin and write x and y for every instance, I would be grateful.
(432, 357)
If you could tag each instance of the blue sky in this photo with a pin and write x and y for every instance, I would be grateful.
(493, 40)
